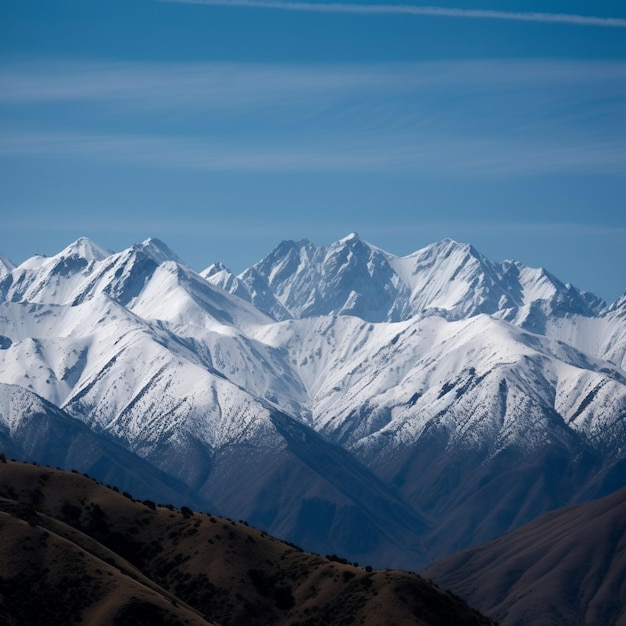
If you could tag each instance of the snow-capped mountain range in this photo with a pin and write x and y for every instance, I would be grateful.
(388, 408)
(352, 277)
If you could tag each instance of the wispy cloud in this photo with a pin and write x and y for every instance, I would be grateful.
(191, 154)
(407, 9)
(164, 84)
(251, 84)
(422, 154)
(463, 118)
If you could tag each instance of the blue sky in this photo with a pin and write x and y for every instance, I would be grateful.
(225, 127)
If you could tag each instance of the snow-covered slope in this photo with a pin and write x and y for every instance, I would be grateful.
(602, 336)
(489, 384)
(123, 375)
(613, 344)
(382, 383)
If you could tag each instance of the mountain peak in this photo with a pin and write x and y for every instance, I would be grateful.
(158, 251)
(353, 236)
(450, 244)
(214, 268)
(443, 249)
(155, 242)
(354, 240)
(85, 249)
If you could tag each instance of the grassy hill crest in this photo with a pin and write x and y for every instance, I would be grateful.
(78, 552)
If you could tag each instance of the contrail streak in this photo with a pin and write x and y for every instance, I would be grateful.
(407, 9)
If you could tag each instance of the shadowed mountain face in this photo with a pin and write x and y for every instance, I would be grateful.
(567, 567)
(32, 428)
(78, 552)
(307, 489)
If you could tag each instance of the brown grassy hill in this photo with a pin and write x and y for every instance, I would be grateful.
(75, 551)
(567, 567)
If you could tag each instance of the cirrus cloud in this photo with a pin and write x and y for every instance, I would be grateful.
(409, 9)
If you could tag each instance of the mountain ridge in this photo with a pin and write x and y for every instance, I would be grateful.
(564, 567)
(297, 275)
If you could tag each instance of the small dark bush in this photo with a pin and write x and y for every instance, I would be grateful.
(283, 598)
(97, 520)
(337, 559)
(70, 512)
(260, 582)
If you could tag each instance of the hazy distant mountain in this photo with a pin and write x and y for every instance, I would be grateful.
(112, 560)
(486, 394)
(567, 567)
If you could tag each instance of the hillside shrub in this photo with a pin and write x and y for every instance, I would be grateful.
(283, 598)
